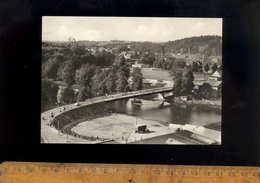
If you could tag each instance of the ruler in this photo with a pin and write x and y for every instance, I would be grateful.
(25, 172)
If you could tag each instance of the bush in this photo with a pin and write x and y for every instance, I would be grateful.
(197, 97)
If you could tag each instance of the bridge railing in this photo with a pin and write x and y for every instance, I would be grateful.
(122, 95)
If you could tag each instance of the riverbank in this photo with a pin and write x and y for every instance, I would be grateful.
(203, 103)
(120, 128)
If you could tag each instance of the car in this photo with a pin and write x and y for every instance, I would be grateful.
(77, 104)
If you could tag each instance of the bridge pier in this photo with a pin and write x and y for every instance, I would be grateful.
(162, 104)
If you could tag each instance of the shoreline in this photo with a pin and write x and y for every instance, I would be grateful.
(201, 103)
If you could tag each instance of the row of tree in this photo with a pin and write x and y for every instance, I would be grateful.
(56, 65)
(93, 81)
(199, 67)
(196, 66)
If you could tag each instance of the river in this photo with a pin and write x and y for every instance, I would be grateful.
(170, 113)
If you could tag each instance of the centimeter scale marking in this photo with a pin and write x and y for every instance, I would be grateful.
(25, 172)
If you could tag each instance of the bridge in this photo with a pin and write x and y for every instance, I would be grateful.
(135, 94)
(52, 135)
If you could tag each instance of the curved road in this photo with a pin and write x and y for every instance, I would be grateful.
(51, 135)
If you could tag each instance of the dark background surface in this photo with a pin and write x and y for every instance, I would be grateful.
(20, 83)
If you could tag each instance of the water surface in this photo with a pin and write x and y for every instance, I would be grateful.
(169, 113)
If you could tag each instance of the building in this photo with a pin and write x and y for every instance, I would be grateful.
(128, 54)
(217, 75)
(215, 81)
(217, 85)
(140, 65)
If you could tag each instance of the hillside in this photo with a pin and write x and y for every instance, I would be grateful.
(208, 45)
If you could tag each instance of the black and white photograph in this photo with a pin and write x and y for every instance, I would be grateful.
(131, 80)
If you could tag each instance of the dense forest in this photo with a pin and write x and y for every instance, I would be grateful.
(207, 45)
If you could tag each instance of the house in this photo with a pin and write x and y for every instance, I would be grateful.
(217, 75)
(217, 85)
(128, 56)
(184, 98)
(123, 53)
(214, 81)
(131, 52)
(140, 65)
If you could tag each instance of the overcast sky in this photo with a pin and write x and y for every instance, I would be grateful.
(127, 29)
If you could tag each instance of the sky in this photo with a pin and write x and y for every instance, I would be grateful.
(127, 28)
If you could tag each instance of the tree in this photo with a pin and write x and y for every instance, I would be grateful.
(177, 66)
(78, 50)
(87, 59)
(194, 66)
(199, 69)
(137, 79)
(187, 81)
(68, 72)
(50, 68)
(60, 57)
(65, 95)
(215, 94)
(104, 59)
(59, 72)
(177, 88)
(214, 67)
(121, 48)
(122, 75)
(164, 65)
(99, 81)
(49, 90)
(206, 67)
(169, 65)
(159, 64)
(82, 94)
(121, 83)
(84, 75)
(182, 78)
(120, 60)
(111, 82)
(147, 59)
(205, 90)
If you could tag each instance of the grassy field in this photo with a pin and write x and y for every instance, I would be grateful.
(156, 74)
(164, 74)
